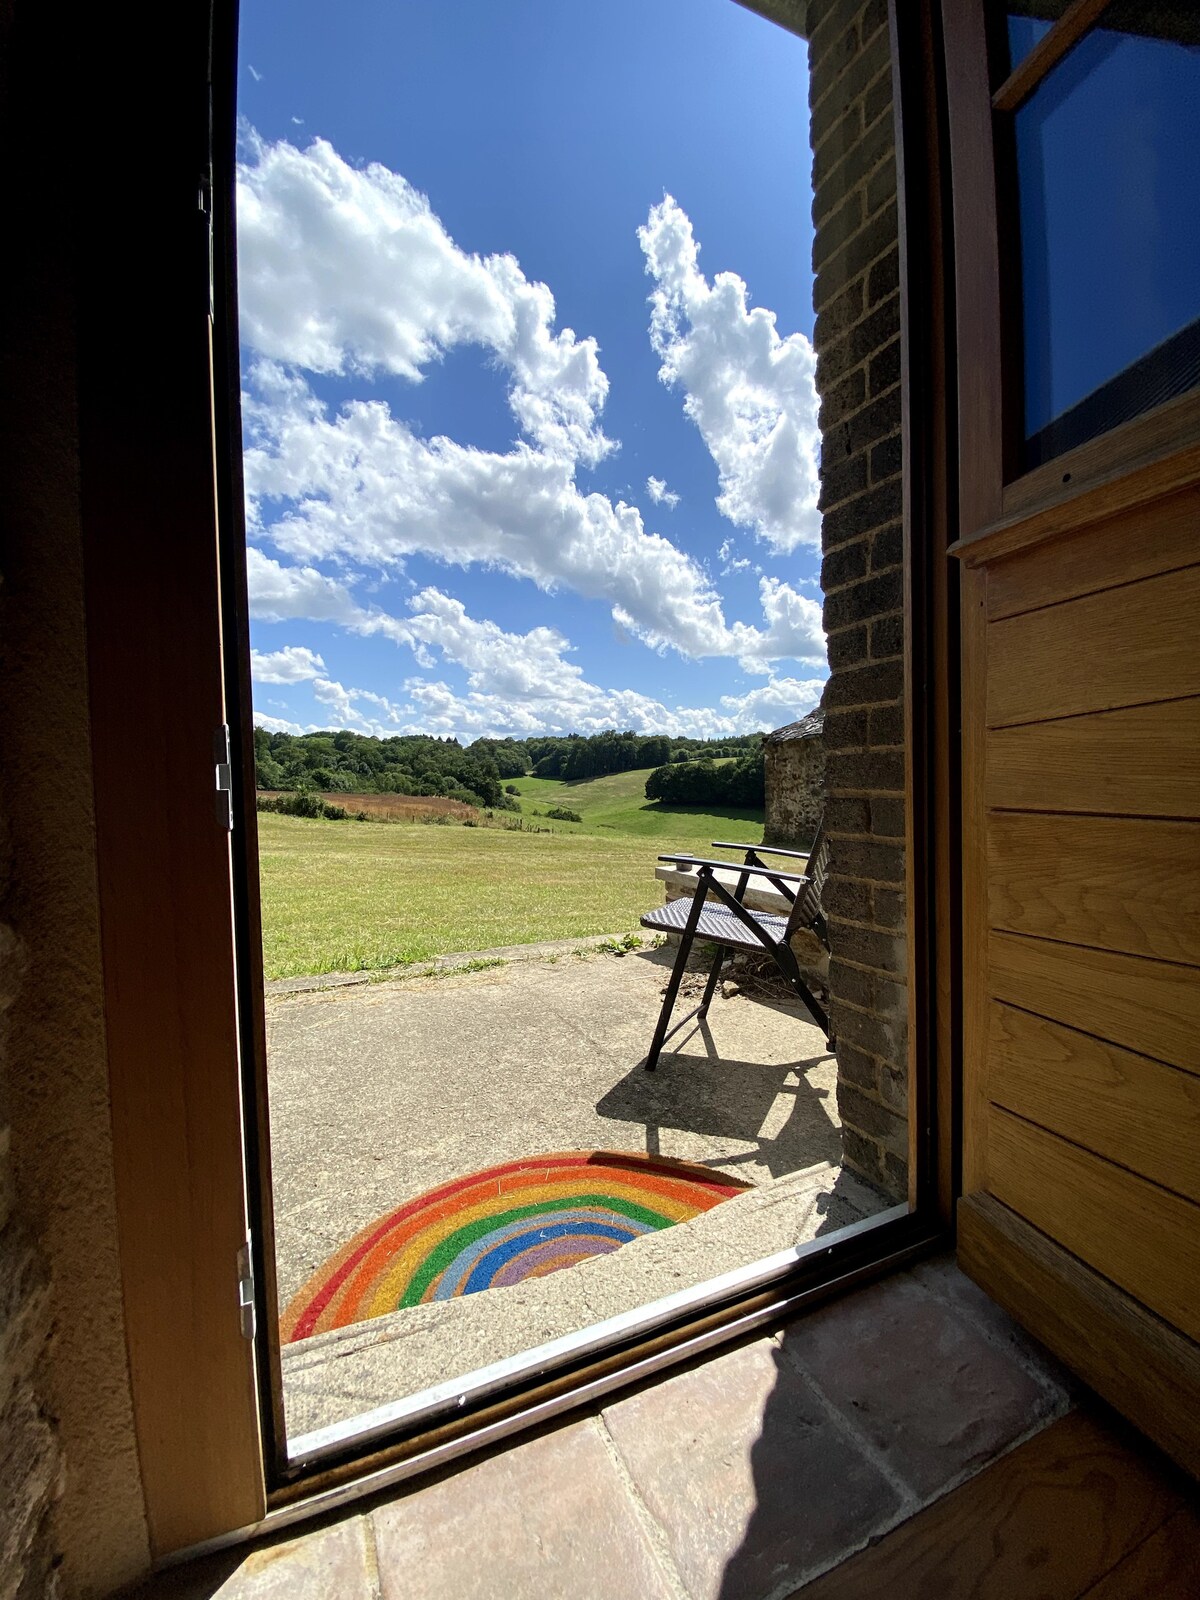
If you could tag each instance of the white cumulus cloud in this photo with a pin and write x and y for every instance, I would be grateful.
(750, 392)
(523, 684)
(344, 270)
(295, 663)
(362, 487)
(348, 271)
(434, 707)
(657, 489)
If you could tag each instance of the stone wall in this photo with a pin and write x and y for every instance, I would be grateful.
(794, 777)
(31, 1458)
(71, 1510)
(30, 1450)
(857, 339)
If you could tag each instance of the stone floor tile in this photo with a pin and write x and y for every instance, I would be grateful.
(316, 1565)
(942, 1276)
(753, 1484)
(551, 1517)
(923, 1385)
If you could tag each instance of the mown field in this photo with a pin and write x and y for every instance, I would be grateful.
(618, 805)
(364, 896)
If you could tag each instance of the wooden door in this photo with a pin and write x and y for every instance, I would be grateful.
(154, 632)
(1080, 567)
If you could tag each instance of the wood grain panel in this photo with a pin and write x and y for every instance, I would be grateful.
(1127, 884)
(1132, 1110)
(1152, 1007)
(1144, 761)
(1138, 1363)
(1166, 1565)
(1140, 543)
(153, 602)
(975, 938)
(1126, 646)
(990, 1537)
(1142, 1238)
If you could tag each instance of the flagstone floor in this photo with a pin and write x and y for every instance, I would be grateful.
(745, 1477)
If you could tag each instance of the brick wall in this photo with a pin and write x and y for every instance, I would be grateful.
(857, 339)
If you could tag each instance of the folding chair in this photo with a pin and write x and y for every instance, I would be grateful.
(716, 914)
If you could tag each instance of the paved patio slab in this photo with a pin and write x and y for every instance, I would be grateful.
(742, 1477)
(379, 1093)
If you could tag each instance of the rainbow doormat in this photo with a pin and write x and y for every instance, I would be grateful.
(501, 1226)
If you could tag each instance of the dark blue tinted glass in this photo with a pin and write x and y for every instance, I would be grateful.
(1108, 168)
(1023, 34)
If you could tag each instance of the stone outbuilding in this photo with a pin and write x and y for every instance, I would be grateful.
(795, 781)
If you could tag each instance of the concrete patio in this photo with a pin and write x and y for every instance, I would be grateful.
(382, 1090)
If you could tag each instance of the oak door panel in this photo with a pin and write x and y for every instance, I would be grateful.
(1143, 761)
(1117, 884)
(1137, 544)
(1134, 1359)
(1137, 1112)
(1143, 1238)
(1127, 646)
(1152, 1007)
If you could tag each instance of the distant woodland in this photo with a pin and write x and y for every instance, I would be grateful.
(685, 772)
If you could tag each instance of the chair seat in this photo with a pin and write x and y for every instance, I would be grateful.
(717, 924)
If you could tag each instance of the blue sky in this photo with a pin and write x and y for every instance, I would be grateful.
(531, 433)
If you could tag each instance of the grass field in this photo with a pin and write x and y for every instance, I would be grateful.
(618, 805)
(362, 896)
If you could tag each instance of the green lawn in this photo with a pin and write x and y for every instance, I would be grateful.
(361, 896)
(618, 805)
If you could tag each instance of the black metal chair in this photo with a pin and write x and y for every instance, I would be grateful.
(717, 915)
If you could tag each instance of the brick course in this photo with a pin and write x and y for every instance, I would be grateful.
(857, 341)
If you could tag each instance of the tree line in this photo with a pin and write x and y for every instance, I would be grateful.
(737, 783)
(357, 763)
(598, 754)
(420, 764)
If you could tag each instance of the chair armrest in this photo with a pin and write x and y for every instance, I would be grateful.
(761, 849)
(736, 866)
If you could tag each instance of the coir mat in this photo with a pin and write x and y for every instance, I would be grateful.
(522, 1220)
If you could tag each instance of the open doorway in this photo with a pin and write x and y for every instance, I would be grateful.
(533, 460)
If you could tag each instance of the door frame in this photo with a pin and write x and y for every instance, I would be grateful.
(165, 533)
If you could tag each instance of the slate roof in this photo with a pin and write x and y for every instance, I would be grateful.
(809, 727)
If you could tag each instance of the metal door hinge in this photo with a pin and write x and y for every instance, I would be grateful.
(245, 1267)
(223, 757)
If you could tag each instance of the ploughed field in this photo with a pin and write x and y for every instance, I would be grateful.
(365, 896)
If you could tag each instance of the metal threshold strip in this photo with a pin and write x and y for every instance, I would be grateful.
(444, 1400)
(485, 1408)
(570, 1374)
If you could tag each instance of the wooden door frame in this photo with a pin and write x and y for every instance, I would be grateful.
(157, 700)
(179, 914)
(931, 723)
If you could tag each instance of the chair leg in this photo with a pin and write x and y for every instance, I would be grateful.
(710, 988)
(664, 1016)
(815, 1009)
